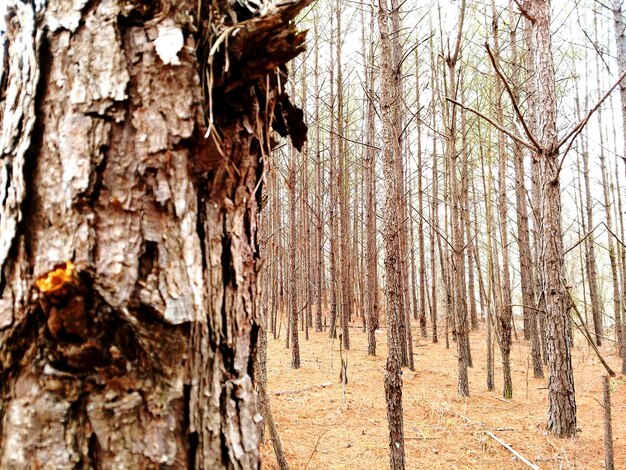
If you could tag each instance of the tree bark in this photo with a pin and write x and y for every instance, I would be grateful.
(318, 179)
(371, 251)
(391, 152)
(332, 203)
(457, 265)
(420, 206)
(609, 461)
(130, 266)
(620, 43)
(346, 291)
(434, 206)
(523, 231)
(561, 393)
(505, 309)
(294, 307)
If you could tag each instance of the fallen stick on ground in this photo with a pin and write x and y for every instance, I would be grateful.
(300, 390)
(513, 451)
(505, 400)
(319, 438)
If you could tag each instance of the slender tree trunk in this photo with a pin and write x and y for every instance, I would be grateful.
(318, 178)
(505, 309)
(261, 358)
(531, 97)
(463, 201)
(471, 261)
(590, 256)
(396, 89)
(342, 199)
(391, 152)
(434, 206)
(523, 232)
(458, 264)
(561, 393)
(620, 45)
(371, 252)
(332, 203)
(294, 308)
(490, 295)
(421, 316)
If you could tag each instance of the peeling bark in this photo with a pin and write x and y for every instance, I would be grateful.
(135, 347)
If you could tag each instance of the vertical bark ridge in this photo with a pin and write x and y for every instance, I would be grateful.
(144, 355)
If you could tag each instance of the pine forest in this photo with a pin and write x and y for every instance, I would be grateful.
(313, 234)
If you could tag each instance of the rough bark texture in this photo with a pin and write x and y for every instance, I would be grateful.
(620, 44)
(391, 151)
(505, 310)
(128, 248)
(332, 203)
(523, 230)
(260, 360)
(457, 266)
(420, 210)
(346, 292)
(434, 206)
(294, 308)
(561, 394)
(318, 196)
(396, 90)
(371, 251)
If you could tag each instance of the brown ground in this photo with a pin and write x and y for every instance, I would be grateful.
(323, 426)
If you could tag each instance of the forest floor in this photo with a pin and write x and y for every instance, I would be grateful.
(326, 426)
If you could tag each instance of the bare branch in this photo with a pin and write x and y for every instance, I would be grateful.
(603, 5)
(577, 129)
(525, 13)
(516, 138)
(457, 47)
(527, 131)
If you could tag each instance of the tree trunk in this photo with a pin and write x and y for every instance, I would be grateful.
(561, 393)
(525, 254)
(457, 266)
(391, 152)
(620, 43)
(294, 307)
(332, 203)
(434, 206)
(420, 206)
(505, 310)
(371, 251)
(260, 360)
(342, 198)
(491, 288)
(318, 179)
(130, 274)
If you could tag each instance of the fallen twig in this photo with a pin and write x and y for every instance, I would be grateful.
(513, 451)
(319, 438)
(505, 400)
(301, 390)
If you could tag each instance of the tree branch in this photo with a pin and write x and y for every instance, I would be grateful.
(527, 131)
(524, 11)
(516, 138)
(585, 332)
(577, 129)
